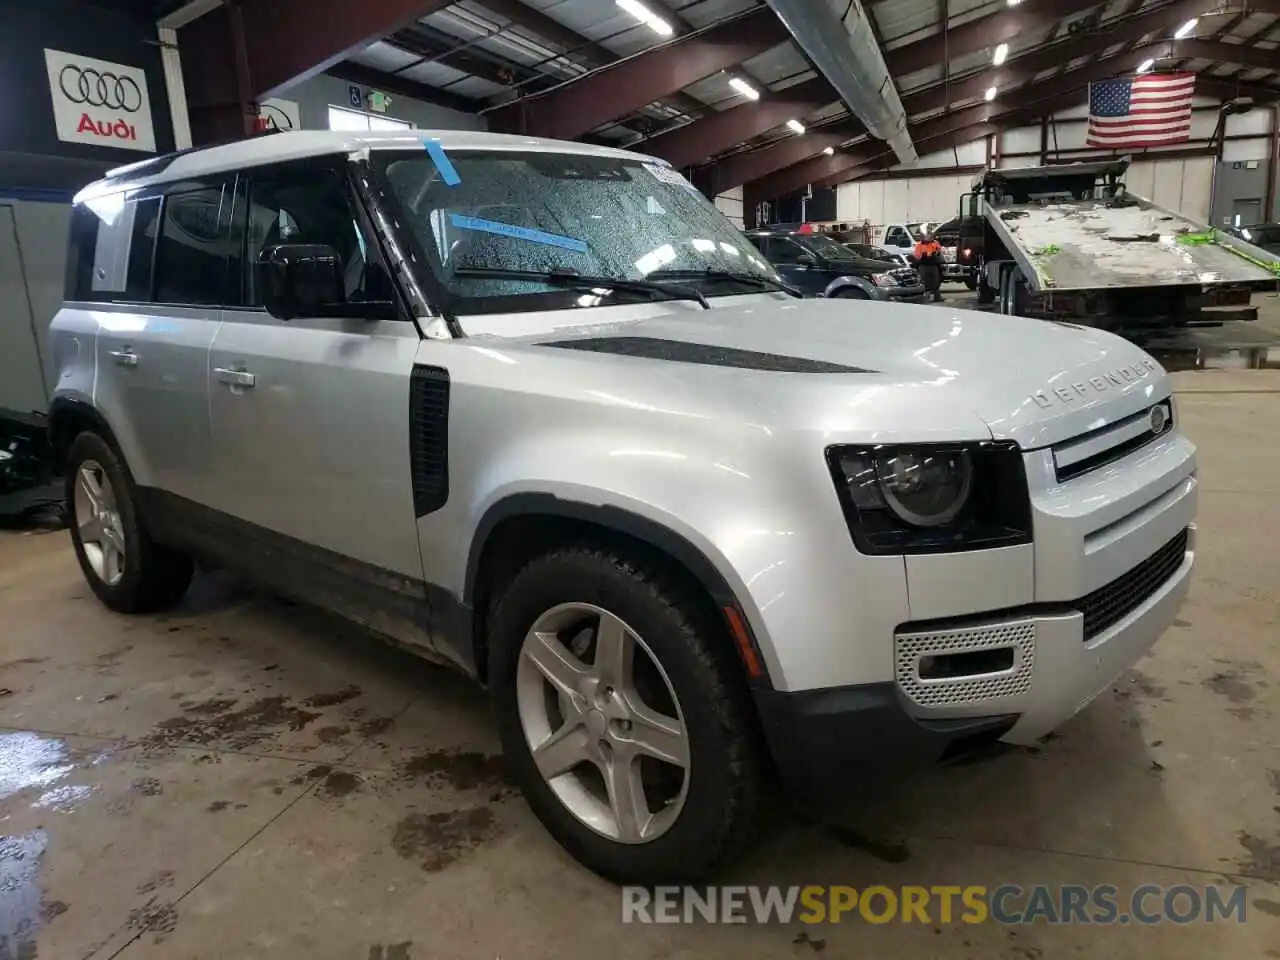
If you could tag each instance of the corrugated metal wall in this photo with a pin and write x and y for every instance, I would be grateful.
(730, 204)
(1184, 185)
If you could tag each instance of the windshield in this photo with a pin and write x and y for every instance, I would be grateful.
(824, 246)
(480, 215)
(916, 230)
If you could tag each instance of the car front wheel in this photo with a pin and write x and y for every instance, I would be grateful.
(624, 717)
(124, 566)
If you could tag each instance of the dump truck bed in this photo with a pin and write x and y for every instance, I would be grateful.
(1090, 245)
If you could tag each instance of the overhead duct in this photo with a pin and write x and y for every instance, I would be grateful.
(837, 37)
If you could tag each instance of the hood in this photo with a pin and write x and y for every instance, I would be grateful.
(1032, 381)
(858, 265)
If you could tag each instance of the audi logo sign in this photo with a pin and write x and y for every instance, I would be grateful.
(93, 88)
(99, 102)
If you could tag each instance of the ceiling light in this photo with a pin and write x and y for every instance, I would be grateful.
(1014, 3)
(796, 126)
(1146, 65)
(1002, 51)
(647, 17)
(744, 88)
(991, 93)
(1186, 28)
(829, 151)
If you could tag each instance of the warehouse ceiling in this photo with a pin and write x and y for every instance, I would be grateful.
(722, 86)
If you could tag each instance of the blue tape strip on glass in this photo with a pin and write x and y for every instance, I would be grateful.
(519, 233)
(448, 173)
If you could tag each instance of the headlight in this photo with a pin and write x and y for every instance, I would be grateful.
(883, 280)
(935, 498)
(924, 489)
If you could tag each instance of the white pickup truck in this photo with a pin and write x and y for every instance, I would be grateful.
(901, 238)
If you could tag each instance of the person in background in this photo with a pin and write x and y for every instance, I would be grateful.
(928, 258)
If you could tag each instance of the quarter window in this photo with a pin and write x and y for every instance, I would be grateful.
(112, 245)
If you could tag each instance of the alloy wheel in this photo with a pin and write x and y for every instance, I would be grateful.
(603, 723)
(99, 526)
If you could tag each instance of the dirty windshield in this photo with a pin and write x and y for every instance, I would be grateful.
(513, 231)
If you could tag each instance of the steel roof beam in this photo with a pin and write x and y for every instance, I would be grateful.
(718, 132)
(824, 170)
(622, 88)
(239, 53)
(1220, 52)
(989, 31)
(577, 48)
(744, 167)
(722, 129)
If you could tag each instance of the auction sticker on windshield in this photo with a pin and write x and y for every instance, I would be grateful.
(669, 176)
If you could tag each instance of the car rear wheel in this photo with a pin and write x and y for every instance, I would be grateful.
(123, 565)
(624, 718)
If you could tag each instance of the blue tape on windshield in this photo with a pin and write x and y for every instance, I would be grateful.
(519, 233)
(448, 173)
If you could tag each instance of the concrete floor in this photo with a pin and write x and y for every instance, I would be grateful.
(245, 779)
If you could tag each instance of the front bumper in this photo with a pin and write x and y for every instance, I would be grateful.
(824, 742)
(903, 294)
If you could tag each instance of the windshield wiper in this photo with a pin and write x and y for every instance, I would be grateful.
(754, 279)
(562, 277)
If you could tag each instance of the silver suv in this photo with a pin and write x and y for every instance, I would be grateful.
(537, 411)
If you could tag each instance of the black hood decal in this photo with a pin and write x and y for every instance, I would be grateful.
(681, 351)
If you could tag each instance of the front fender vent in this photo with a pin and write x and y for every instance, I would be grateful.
(682, 351)
(429, 438)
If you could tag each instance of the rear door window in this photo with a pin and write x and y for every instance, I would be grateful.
(192, 253)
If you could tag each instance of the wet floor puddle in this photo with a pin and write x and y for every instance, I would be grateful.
(32, 767)
(30, 762)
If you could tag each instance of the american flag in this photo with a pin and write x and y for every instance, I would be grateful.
(1149, 110)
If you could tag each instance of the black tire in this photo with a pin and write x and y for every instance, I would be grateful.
(1009, 283)
(728, 785)
(986, 295)
(154, 577)
(851, 293)
(971, 280)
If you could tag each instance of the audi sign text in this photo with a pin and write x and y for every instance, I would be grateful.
(99, 102)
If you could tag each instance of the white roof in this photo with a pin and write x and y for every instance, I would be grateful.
(300, 144)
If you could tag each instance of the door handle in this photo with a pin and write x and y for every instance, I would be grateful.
(125, 357)
(236, 378)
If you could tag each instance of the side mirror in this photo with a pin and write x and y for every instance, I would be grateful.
(300, 279)
(807, 260)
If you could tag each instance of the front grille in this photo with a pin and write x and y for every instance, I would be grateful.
(905, 276)
(1110, 604)
(909, 648)
(1097, 448)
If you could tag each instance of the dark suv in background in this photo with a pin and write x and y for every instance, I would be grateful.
(821, 267)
